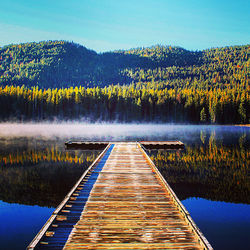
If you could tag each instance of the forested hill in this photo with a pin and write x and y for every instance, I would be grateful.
(55, 64)
(58, 79)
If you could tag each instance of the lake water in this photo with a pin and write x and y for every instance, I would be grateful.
(210, 176)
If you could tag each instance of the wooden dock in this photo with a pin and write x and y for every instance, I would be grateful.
(121, 202)
(100, 145)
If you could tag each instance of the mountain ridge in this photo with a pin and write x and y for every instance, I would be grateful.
(53, 64)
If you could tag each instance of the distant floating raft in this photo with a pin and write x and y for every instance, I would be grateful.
(162, 144)
(100, 145)
(121, 202)
(86, 145)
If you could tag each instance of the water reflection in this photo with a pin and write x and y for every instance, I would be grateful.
(40, 176)
(42, 172)
(51, 154)
(35, 169)
(211, 170)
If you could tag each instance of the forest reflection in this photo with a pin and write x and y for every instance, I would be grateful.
(41, 176)
(43, 173)
(209, 170)
(52, 154)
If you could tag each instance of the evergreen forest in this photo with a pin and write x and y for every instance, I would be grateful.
(63, 80)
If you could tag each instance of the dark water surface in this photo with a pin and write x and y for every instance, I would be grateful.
(210, 176)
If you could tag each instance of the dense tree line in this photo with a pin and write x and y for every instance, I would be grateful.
(56, 64)
(213, 68)
(47, 64)
(126, 104)
(159, 83)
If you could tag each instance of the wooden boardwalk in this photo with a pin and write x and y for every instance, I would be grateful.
(100, 145)
(129, 205)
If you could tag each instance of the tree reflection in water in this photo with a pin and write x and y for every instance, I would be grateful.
(209, 170)
(41, 176)
(42, 173)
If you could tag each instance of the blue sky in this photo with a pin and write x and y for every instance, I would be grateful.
(104, 25)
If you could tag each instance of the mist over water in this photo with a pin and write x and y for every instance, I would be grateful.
(118, 131)
(84, 130)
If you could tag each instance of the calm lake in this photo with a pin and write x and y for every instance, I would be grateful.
(210, 176)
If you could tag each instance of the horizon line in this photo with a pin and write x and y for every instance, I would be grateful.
(132, 48)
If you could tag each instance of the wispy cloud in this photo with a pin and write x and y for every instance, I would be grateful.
(14, 34)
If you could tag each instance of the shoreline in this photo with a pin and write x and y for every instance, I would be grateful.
(242, 125)
(86, 122)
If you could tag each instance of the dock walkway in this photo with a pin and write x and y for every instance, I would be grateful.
(123, 203)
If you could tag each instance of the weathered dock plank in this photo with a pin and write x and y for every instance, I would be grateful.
(129, 206)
